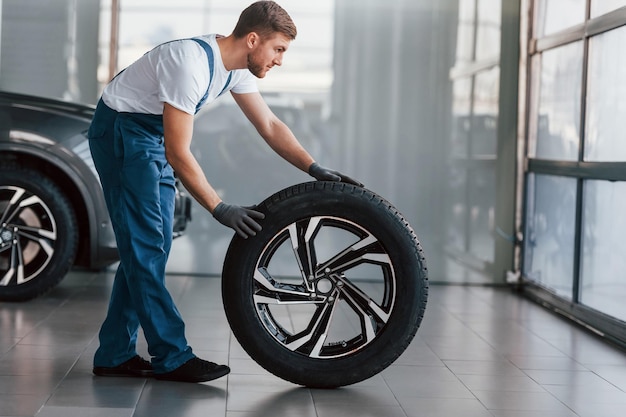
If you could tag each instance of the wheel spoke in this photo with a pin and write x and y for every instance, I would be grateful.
(16, 268)
(12, 206)
(30, 201)
(371, 315)
(270, 291)
(301, 235)
(40, 237)
(314, 336)
(35, 233)
(365, 250)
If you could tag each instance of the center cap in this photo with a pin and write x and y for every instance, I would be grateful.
(6, 235)
(324, 286)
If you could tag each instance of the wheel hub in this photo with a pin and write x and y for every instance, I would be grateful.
(6, 236)
(324, 286)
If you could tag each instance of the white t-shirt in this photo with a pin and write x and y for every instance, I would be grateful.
(176, 73)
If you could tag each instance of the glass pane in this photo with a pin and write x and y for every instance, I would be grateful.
(549, 234)
(557, 115)
(482, 190)
(488, 30)
(485, 114)
(456, 208)
(465, 33)
(461, 108)
(555, 15)
(600, 7)
(456, 190)
(606, 107)
(603, 286)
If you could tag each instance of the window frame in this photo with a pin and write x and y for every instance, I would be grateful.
(608, 326)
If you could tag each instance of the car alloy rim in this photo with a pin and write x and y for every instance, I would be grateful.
(335, 297)
(28, 233)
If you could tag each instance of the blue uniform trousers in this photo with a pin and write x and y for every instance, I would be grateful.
(139, 189)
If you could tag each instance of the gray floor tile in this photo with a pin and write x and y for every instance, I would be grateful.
(425, 382)
(539, 362)
(246, 366)
(257, 383)
(289, 402)
(616, 375)
(480, 367)
(22, 351)
(435, 407)
(41, 385)
(166, 399)
(499, 383)
(27, 367)
(578, 397)
(54, 411)
(358, 410)
(534, 413)
(599, 410)
(21, 404)
(365, 396)
(520, 400)
(98, 396)
(568, 378)
(452, 347)
(7, 342)
(418, 353)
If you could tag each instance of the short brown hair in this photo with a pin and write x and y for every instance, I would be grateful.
(265, 18)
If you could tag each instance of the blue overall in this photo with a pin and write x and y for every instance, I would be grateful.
(139, 189)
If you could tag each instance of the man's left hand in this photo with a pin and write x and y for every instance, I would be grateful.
(321, 173)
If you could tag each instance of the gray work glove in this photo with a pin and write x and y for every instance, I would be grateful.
(241, 219)
(321, 173)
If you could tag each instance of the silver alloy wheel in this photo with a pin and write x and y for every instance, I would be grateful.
(324, 287)
(28, 233)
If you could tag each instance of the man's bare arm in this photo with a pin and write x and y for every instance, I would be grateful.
(276, 133)
(178, 131)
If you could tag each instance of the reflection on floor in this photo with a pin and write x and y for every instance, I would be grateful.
(479, 352)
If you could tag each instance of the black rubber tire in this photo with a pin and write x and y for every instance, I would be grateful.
(45, 257)
(338, 363)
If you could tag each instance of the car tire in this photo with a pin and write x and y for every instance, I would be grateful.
(331, 291)
(38, 234)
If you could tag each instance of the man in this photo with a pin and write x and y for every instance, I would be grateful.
(140, 135)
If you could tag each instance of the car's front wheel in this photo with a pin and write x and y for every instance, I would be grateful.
(38, 234)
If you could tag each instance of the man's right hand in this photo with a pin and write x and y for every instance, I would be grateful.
(241, 219)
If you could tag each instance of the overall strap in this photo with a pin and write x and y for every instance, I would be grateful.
(209, 53)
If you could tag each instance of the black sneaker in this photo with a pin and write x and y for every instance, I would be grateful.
(137, 366)
(195, 370)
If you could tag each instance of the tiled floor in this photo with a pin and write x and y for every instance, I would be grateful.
(479, 352)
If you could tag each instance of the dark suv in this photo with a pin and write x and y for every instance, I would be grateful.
(52, 212)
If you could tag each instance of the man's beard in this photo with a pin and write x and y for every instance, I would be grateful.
(256, 69)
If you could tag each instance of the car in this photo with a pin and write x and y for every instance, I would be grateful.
(53, 215)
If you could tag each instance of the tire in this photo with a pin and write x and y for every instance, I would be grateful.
(362, 302)
(38, 234)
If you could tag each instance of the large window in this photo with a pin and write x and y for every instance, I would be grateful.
(575, 188)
